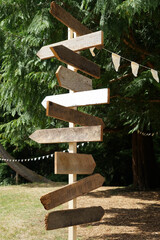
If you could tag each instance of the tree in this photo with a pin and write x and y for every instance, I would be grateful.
(25, 80)
(131, 29)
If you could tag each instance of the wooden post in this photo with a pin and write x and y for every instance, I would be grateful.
(72, 231)
(16, 178)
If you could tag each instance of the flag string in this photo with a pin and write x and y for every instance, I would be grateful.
(134, 65)
(28, 159)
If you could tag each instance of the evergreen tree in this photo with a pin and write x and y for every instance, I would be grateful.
(131, 29)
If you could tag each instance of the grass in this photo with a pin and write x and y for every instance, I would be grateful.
(22, 215)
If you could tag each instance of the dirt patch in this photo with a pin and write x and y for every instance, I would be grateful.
(128, 215)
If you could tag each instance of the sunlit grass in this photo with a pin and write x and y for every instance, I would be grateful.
(22, 215)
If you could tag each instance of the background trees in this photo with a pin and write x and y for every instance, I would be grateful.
(131, 29)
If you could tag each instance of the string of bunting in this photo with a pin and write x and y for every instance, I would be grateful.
(134, 66)
(116, 61)
(27, 160)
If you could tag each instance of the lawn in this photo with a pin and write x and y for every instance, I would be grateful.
(128, 214)
(22, 214)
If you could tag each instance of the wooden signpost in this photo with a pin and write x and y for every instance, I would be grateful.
(71, 115)
(76, 44)
(67, 56)
(85, 98)
(71, 191)
(73, 163)
(63, 135)
(72, 80)
(59, 106)
(67, 19)
(72, 217)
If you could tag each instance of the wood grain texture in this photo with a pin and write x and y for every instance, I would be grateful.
(67, 56)
(67, 19)
(71, 191)
(71, 115)
(75, 44)
(85, 98)
(73, 81)
(73, 217)
(73, 163)
(64, 135)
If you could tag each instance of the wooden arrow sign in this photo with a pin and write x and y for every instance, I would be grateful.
(67, 56)
(73, 163)
(85, 98)
(63, 135)
(68, 20)
(75, 44)
(71, 115)
(71, 191)
(72, 217)
(72, 80)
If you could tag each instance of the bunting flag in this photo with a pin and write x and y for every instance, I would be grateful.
(155, 75)
(27, 160)
(116, 61)
(135, 67)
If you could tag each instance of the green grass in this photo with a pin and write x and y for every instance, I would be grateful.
(22, 215)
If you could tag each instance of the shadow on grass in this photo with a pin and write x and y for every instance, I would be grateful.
(126, 192)
(146, 221)
(124, 237)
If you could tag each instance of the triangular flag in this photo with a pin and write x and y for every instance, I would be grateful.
(135, 67)
(116, 61)
(155, 75)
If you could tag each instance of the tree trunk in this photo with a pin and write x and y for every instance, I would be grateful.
(143, 162)
(22, 170)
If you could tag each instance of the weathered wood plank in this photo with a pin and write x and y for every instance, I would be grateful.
(67, 19)
(67, 56)
(85, 98)
(73, 217)
(71, 115)
(71, 191)
(73, 81)
(63, 135)
(73, 163)
(75, 44)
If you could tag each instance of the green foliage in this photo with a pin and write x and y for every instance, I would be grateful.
(25, 80)
(5, 175)
(131, 29)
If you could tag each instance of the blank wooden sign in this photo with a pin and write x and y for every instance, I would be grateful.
(73, 163)
(75, 44)
(85, 98)
(77, 61)
(63, 135)
(71, 191)
(72, 217)
(70, 115)
(67, 19)
(72, 80)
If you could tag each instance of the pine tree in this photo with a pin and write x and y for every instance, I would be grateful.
(131, 29)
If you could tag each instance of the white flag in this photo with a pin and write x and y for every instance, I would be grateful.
(135, 67)
(155, 75)
(116, 61)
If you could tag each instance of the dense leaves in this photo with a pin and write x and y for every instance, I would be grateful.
(131, 29)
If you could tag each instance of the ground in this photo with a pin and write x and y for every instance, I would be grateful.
(128, 214)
